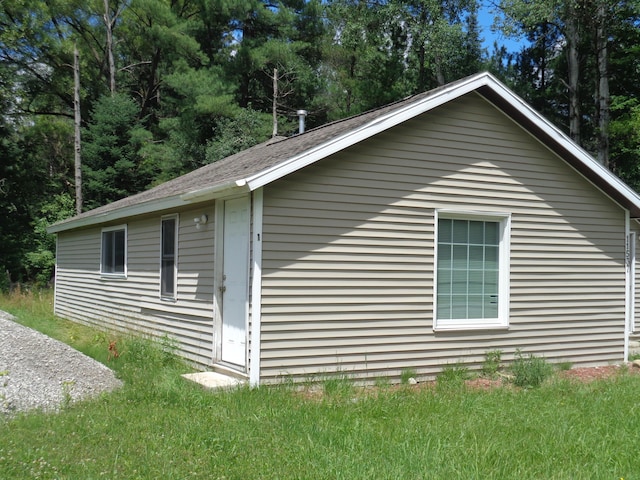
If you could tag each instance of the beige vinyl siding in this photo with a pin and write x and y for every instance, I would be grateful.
(348, 251)
(635, 227)
(134, 303)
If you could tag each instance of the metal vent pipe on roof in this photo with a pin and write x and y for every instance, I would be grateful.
(301, 116)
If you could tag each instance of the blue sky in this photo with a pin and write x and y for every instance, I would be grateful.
(485, 18)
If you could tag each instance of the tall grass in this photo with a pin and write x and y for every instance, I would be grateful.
(160, 426)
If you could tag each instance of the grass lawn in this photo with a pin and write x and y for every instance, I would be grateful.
(159, 426)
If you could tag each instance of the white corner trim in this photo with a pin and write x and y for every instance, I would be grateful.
(629, 251)
(256, 289)
(56, 276)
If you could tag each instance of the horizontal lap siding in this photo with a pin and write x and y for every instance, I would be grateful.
(133, 304)
(348, 252)
(635, 227)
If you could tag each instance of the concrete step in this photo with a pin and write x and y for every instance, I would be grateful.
(213, 380)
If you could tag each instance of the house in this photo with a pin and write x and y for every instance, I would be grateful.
(424, 233)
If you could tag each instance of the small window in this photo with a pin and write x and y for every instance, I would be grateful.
(168, 264)
(472, 271)
(114, 251)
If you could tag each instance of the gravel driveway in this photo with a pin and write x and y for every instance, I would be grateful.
(37, 371)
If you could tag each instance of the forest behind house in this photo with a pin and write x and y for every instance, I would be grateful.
(101, 99)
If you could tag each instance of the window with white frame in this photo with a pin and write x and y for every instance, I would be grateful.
(113, 258)
(472, 270)
(168, 257)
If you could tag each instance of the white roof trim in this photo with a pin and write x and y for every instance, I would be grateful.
(172, 202)
(430, 102)
(561, 138)
(351, 137)
(118, 214)
(216, 191)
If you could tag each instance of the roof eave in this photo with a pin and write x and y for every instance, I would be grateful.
(495, 92)
(351, 137)
(176, 201)
(558, 142)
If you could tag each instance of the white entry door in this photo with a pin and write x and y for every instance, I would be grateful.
(235, 286)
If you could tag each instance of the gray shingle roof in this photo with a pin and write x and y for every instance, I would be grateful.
(276, 151)
(250, 161)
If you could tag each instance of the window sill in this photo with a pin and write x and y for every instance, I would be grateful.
(168, 299)
(470, 326)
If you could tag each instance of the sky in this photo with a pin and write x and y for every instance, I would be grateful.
(485, 18)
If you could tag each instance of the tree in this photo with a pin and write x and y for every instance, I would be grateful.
(587, 32)
(246, 129)
(112, 142)
(442, 36)
(77, 120)
(40, 261)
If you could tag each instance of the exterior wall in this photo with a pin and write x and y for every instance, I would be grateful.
(635, 227)
(134, 303)
(348, 252)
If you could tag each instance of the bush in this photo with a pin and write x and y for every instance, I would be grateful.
(5, 281)
(529, 370)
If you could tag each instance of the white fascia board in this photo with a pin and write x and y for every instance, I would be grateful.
(167, 203)
(118, 214)
(370, 129)
(561, 138)
(216, 191)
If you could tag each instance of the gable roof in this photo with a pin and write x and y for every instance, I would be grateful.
(264, 163)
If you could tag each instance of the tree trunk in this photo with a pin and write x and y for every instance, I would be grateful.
(76, 123)
(604, 97)
(274, 106)
(109, 22)
(573, 64)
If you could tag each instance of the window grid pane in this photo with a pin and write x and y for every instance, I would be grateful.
(168, 258)
(468, 265)
(113, 251)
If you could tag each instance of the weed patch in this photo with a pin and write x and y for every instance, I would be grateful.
(491, 364)
(337, 386)
(406, 375)
(529, 370)
(452, 377)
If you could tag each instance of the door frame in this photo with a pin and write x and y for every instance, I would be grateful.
(218, 283)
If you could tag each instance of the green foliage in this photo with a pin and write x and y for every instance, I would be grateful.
(529, 370)
(40, 262)
(452, 376)
(111, 162)
(625, 139)
(160, 426)
(564, 366)
(5, 281)
(194, 83)
(245, 130)
(491, 364)
(406, 375)
(338, 386)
